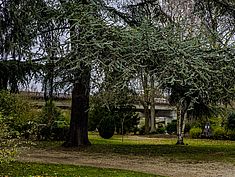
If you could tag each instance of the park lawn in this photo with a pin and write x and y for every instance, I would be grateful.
(196, 149)
(36, 169)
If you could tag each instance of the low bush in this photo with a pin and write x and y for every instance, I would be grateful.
(161, 130)
(219, 133)
(50, 113)
(18, 114)
(171, 128)
(121, 111)
(7, 152)
(231, 121)
(43, 132)
(195, 132)
(106, 128)
(52, 123)
(187, 128)
(7, 146)
(59, 130)
(231, 134)
(142, 130)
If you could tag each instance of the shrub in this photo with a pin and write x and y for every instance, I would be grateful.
(52, 123)
(96, 114)
(231, 134)
(3, 127)
(59, 130)
(7, 151)
(195, 132)
(106, 105)
(231, 121)
(197, 124)
(219, 133)
(161, 130)
(18, 115)
(7, 146)
(187, 128)
(171, 128)
(142, 130)
(106, 128)
(50, 113)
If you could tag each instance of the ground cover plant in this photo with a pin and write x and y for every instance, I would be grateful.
(36, 169)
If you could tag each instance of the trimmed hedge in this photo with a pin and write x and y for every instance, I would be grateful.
(106, 128)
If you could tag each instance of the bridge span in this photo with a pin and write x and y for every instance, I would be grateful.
(164, 111)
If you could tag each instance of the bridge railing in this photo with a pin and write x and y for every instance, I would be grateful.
(41, 95)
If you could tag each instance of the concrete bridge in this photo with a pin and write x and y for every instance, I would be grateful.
(164, 112)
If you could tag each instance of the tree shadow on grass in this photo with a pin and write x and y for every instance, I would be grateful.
(173, 152)
(190, 153)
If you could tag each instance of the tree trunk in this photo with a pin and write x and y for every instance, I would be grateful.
(152, 106)
(3, 82)
(146, 114)
(78, 132)
(184, 122)
(146, 101)
(181, 117)
(180, 140)
(14, 85)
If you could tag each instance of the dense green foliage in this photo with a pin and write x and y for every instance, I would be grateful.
(219, 133)
(195, 132)
(106, 127)
(18, 114)
(191, 59)
(52, 123)
(115, 106)
(20, 119)
(8, 147)
(231, 121)
(161, 130)
(231, 134)
(172, 127)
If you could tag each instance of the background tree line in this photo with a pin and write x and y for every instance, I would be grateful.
(184, 48)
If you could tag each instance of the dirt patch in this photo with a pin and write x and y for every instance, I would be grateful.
(160, 166)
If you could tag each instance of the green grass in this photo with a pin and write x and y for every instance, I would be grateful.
(196, 150)
(36, 169)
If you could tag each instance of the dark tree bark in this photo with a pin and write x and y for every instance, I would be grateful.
(78, 132)
(145, 103)
(3, 82)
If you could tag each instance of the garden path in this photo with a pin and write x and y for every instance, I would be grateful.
(153, 165)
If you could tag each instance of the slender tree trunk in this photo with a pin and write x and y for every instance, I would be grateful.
(78, 132)
(146, 114)
(14, 86)
(152, 106)
(180, 140)
(181, 117)
(184, 122)
(122, 123)
(51, 82)
(146, 101)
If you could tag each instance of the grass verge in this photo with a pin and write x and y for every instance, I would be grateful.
(36, 169)
(196, 150)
